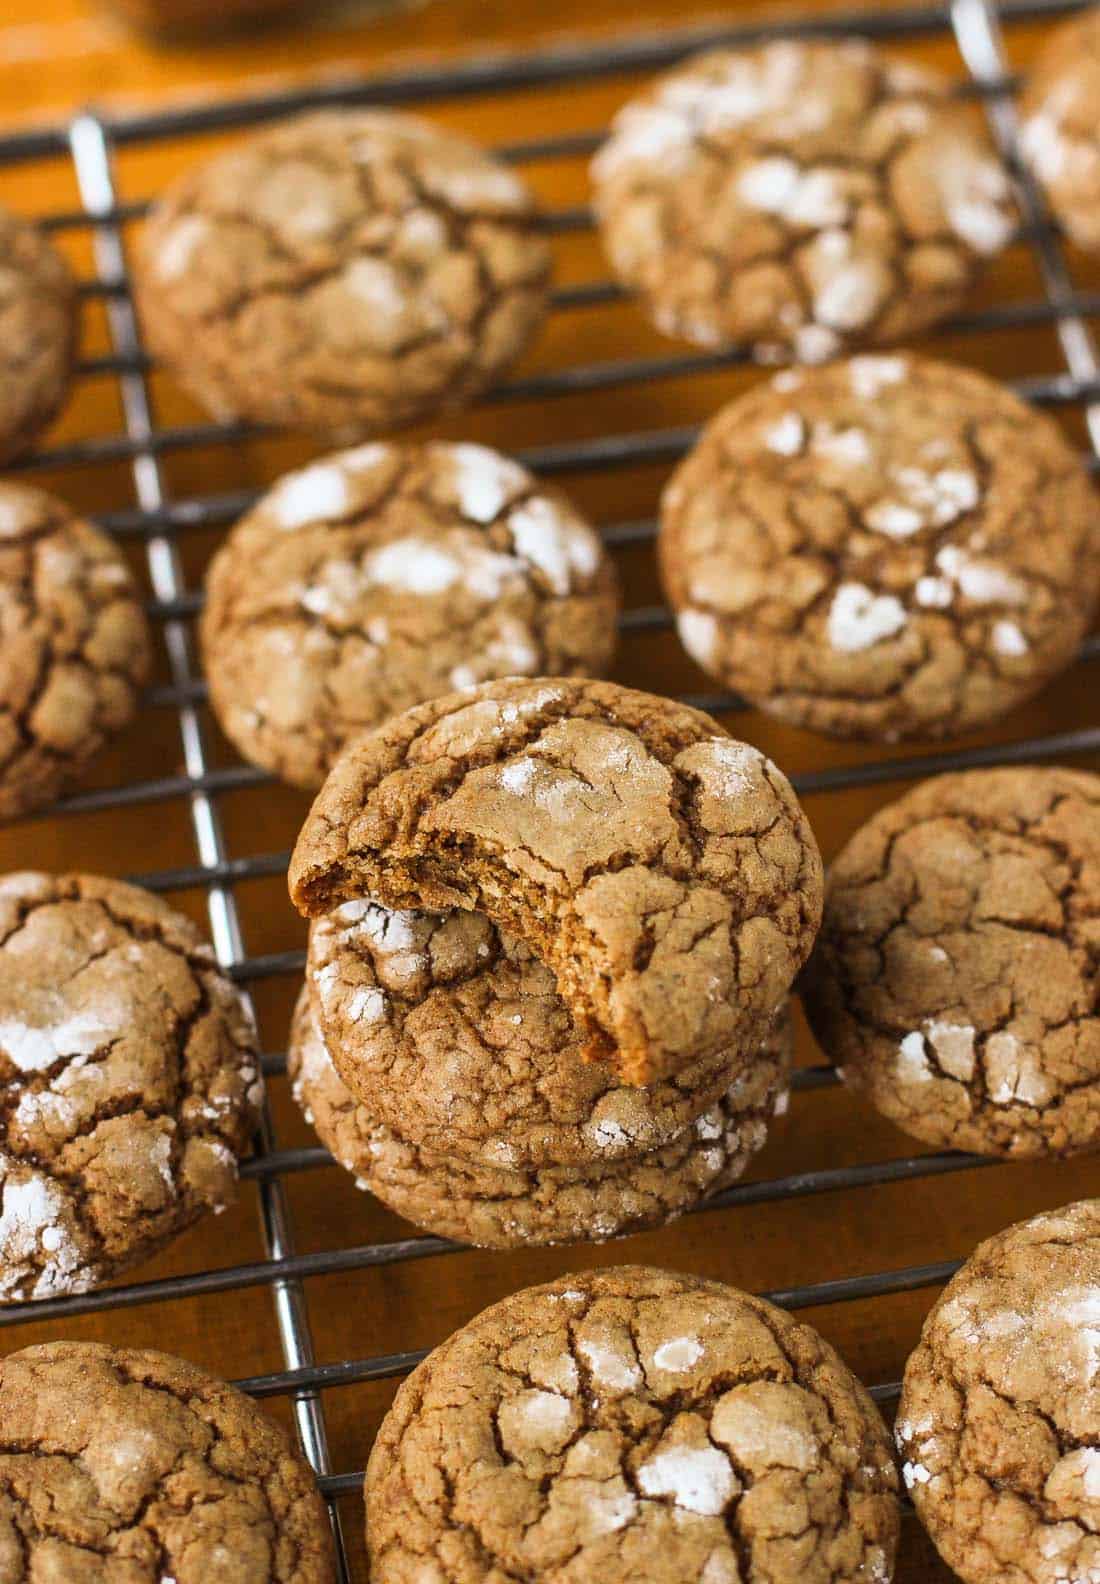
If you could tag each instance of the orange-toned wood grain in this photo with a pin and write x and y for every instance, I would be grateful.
(56, 55)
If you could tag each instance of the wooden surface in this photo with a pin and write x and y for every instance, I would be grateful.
(58, 54)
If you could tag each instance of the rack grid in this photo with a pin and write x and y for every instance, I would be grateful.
(158, 519)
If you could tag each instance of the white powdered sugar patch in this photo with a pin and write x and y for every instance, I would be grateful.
(893, 519)
(678, 1354)
(858, 618)
(34, 1047)
(480, 186)
(606, 1512)
(846, 447)
(412, 566)
(1080, 1310)
(870, 375)
(728, 768)
(953, 1044)
(610, 1366)
(517, 776)
(914, 1474)
(33, 1239)
(976, 198)
(1008, 639)
(787, 436)
(161, 1156)
(847, 288)
(313, 495)
(699, 1479)
(607, 1135)
(698, 632)
(379, 287)
(815, 343)
(924, 499)
(641, 134)
(485, 481)
(777, 186)
(366, 1005)
(786, 381)
(934, 593)
(558, 547)
(911, 1062)
(386, 929)
(544, 1415)
(179, 246)
(1014, 1072)
(983, 582)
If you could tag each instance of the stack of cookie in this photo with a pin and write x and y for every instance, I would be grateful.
(554, 928)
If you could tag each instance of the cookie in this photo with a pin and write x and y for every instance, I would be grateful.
(38, 332)
(130, 1465)
(888, 547)
(74, 647)
(632, 1424)
(452, 1033)
(384, 576)
(1058, 137)
(665, 873)
(999, 1420)
(346, 272)
(128, 1081)
(798, 198)
(954, 981)
(508, 1206)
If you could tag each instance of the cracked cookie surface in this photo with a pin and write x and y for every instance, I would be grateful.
(799, 198)
(955, 978)
(346, 272)
(664, 872)
(452, 1033)
(129, 1081)
(629, 1424)
(74, 647)
(1058, 136)
(38, 332)
(383, 576)
(999, 1420)
(888, 547)
(507, 1206)
(127, 1466)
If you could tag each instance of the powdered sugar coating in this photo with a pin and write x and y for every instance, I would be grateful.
(399, 572)
(798, 197)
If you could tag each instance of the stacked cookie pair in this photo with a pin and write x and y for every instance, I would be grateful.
(554, 928)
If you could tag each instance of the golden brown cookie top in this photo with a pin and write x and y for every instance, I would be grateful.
(129, 1080)
(664, 872)
(955, 975)
(632, 1423)
(128, 1462)
(74, 646)
(799, 197)
(493, 1204)
(999, 1421)
(379, 577)
(345, 271)
(1058, 135)
(453, 1032)
(38, 332)
(886, 547)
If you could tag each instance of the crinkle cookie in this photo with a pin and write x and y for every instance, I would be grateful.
(888, 547)
(387, 575)
(632, 1424)
(74, 646)
(999, 1421)
(509, 1206)
(452, 1033)
(955, 978)
(1058, 132)
(128, 1081)
(39, 322)
(665, 873)
(798, 198)
(133, 1467)
(346, 272)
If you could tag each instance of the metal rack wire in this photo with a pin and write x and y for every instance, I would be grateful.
(158, 520)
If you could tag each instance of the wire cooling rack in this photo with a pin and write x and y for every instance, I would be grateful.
(159, 518)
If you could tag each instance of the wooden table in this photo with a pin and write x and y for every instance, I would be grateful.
(55, 55)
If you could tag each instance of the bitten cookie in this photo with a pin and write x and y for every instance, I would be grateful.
(129, 1465)
(955, 978)
(1058, 132)
(128, 1081)
(798, 198)
(345, 272)
(632, 1424)
(38, 332)
(665, 873)
(387, 575)
(507, 1206)
(888, 547)
(74, 647)
(999, 1420)
(451, 1032)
